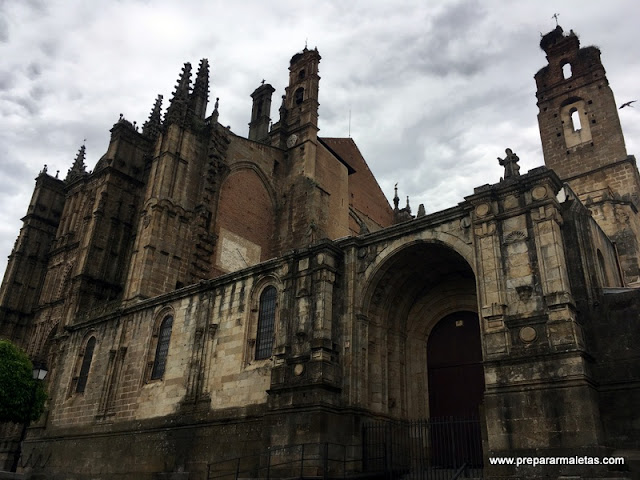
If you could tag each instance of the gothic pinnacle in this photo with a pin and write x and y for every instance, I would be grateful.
(179, 101)
(200, 94)
(184, 82)
(152, 126)
(78, 169)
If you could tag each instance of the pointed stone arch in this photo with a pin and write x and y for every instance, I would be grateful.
(246, 218)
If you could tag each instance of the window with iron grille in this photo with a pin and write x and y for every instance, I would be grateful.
(86, 365)
(162, 349)
(266, 323)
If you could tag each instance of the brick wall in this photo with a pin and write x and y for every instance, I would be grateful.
(246, 209)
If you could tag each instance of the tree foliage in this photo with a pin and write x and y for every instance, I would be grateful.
(21, 397)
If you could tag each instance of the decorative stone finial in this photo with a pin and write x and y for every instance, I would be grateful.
(215, 114)
(396, 199)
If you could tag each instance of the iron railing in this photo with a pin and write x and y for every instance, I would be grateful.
(434, 449)
(438, 449)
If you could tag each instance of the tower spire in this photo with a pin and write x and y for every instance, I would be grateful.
(78, 169)
(200, 94)
(152, 126)
(179, 103)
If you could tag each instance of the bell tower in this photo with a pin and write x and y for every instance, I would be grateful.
(298, 124)
(582, 140)
(578, 118)
(301, 96)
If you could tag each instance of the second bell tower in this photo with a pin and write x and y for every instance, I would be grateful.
(582, 141)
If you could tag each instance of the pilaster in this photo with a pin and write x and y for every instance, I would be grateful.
(306, 370)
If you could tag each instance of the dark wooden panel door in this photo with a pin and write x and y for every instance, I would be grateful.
(456, 387)
(454, 356)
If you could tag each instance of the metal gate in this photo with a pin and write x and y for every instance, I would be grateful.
(438, 448)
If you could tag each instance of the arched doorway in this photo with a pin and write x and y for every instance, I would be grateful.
(423, 358)
(412, 291)
(454, 359)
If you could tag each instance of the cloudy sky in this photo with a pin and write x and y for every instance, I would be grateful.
(436, 89)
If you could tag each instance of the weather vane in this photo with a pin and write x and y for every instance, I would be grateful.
(555, 16)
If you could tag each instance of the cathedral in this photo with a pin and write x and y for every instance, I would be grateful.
(201, 297)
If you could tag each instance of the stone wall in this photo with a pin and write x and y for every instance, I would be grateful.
(613, 335)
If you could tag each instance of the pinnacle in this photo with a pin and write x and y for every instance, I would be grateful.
(179, 102)
(200, 94)
(202, 78)
(184, 81)
(78, 169)
(152, 125)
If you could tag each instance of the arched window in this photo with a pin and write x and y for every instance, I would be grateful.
(566, 70)
(86, 365)
(575, 119)
(299, 95)
(162, 349)
(266, 323)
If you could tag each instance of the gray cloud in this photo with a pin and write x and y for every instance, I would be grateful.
(436, 91)
(4, 29)
(33, 70)
(6, 80)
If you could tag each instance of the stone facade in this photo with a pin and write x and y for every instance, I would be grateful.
(200, 296)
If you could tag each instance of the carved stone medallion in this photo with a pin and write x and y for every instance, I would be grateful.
(292, 140)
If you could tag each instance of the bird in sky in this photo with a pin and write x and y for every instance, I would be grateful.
(627, 104)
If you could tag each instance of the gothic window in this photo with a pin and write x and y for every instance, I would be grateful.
(299, 95)
(162, 348)
(86, 365)
(266, 323)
